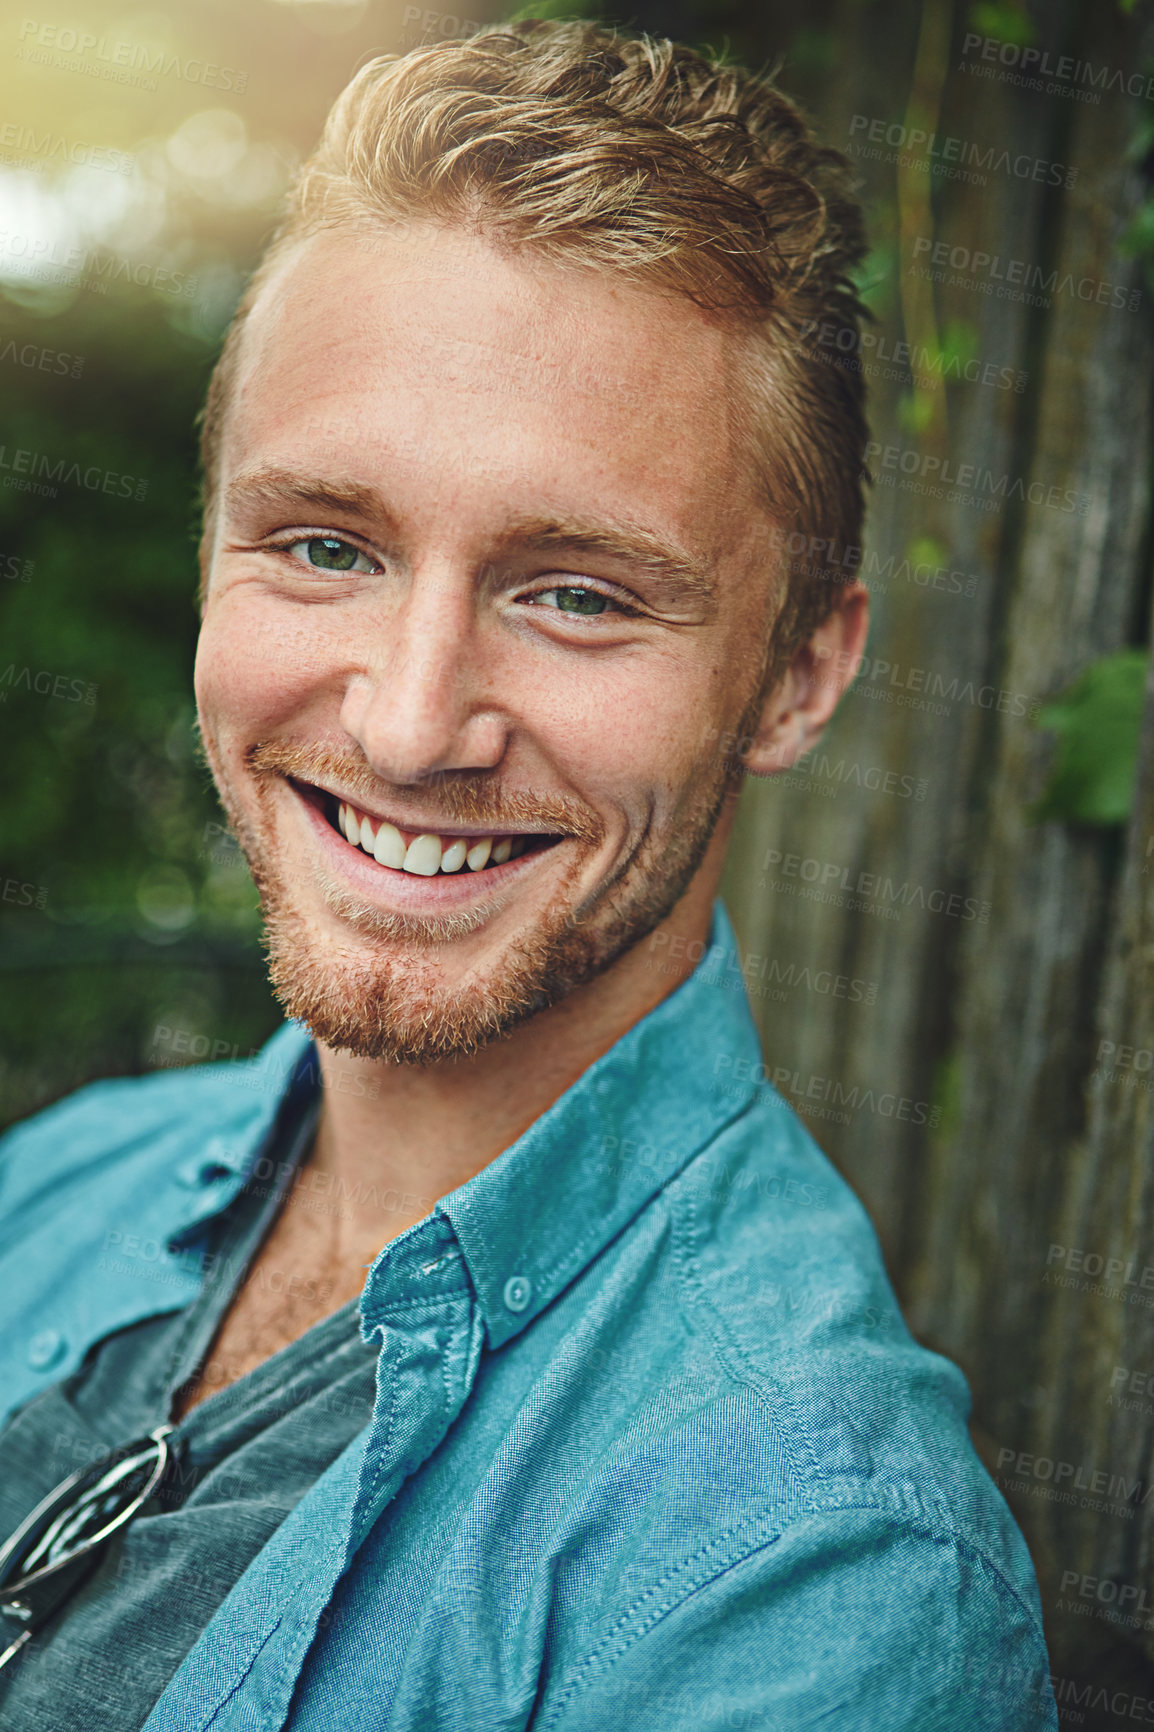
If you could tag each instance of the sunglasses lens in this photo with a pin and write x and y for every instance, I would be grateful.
(83, 1511)
(91, 1512)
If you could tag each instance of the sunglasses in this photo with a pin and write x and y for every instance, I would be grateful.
(62, 1541)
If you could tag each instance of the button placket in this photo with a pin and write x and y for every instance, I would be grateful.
(431, 1337)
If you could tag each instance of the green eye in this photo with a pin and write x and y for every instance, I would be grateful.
(329, 553)
(573, 600)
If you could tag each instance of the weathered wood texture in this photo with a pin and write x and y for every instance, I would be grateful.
(960, 1092)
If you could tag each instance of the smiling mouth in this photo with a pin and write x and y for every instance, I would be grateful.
(422, 853)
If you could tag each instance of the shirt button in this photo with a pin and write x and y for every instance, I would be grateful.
(518, 1292)
(45, 1348)
(202, 1170)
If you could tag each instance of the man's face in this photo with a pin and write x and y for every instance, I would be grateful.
(488, 567)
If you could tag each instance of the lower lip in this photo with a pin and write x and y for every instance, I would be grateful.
(407, 892)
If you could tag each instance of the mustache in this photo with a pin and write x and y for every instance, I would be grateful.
(462, 797)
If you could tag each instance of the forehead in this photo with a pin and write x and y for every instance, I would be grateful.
(495, 376)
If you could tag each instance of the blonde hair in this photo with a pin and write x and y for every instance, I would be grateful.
(637, 156)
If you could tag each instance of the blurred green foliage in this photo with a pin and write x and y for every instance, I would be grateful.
(1006, 21)
(124, 906)
(1098, 722)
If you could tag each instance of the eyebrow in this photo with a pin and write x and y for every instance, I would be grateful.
(629, 543)
(282, 487)
(685, 576)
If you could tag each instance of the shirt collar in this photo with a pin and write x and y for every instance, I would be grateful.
(539, 1214)
(269, 1090)
(534, 1218)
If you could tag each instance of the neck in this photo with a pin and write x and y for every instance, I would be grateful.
(394, 1137)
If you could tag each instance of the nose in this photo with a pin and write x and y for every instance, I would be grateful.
(423, 704)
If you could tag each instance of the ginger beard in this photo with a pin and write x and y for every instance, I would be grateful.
(379, 993)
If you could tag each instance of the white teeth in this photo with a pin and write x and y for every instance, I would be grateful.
(389, 848)
(424, 856)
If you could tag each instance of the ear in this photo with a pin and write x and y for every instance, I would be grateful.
(794, 714)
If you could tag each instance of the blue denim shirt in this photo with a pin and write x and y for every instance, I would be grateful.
(652, 1447)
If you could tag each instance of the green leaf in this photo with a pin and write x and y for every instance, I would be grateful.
(875, 276)
(1137, 242)
(1098, 722)
(1007, 22)
(559, 11)
(813, 52)
(926, 550)
(916, 410)
(958, 345)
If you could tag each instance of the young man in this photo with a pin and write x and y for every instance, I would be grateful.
(528, 1365)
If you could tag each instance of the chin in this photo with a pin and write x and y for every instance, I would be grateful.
(388, 997)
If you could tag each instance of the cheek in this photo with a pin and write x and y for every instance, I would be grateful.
(640, 724)
(256, 665)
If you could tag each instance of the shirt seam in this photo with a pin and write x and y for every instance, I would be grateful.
(210, 1714)
(578, 1678)
(694, 1298)
(939, 1534)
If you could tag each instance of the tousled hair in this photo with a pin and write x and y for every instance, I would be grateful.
(636, 156)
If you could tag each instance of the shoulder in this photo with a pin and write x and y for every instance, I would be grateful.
(149, 1121)
(846, 1617)
(781, 1271)
(840, 1555)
